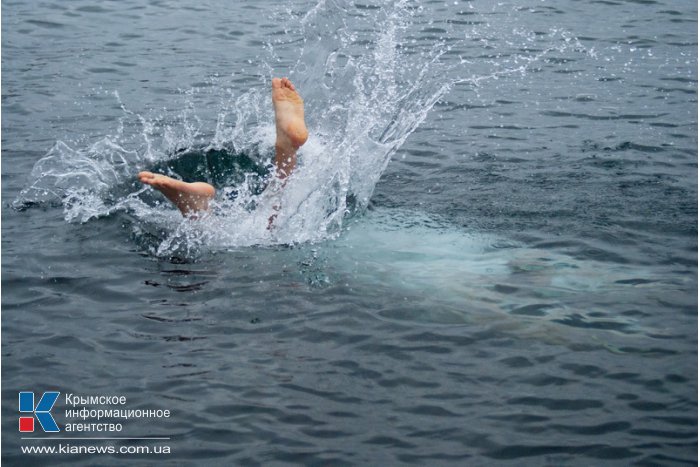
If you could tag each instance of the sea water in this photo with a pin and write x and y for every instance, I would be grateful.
(364, 96)
(493, 220)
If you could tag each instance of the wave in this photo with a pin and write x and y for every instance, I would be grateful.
(368, 80)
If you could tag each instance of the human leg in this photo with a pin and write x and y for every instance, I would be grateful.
(191, 198)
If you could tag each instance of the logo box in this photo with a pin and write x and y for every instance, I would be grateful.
(41, 412)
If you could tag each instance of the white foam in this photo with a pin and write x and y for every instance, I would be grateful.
(365, 93)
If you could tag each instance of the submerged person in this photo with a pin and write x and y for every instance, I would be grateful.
(192, 198)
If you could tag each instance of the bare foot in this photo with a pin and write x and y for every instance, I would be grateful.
(291, 129)
(189, 198)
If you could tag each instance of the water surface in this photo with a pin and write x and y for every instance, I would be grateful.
(489, 255)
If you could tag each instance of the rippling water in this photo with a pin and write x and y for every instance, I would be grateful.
(488, 256)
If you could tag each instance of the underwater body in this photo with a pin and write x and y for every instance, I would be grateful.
(487, 255)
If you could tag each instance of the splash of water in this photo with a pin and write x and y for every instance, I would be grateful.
(368, 83)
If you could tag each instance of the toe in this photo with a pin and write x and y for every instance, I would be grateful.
(145, 176)
(276, 83)
(287, 84)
